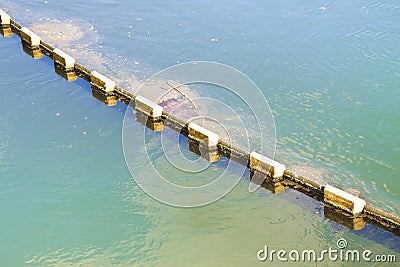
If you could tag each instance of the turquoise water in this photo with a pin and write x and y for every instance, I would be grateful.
(331, 78)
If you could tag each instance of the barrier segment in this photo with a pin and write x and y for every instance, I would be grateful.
(149, 107)
(203, 135)
(149, 113)
(203, 142)
(29, 37)
(5, 19)
(266, 165)
(102, 81)
(63, 59)
(343, 200)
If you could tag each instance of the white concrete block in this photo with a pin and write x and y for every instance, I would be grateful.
(147, 106)
(200, 134)
(343, 200)
(30, 37)
(63, 59)
(4, 18)
(266, 165)
(102, 81)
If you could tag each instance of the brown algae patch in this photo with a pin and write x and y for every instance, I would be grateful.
(81, 40)
(58, 32)
(77, 38)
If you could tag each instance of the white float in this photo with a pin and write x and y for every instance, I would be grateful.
(102, 81)
(343, 200)
(264, 164)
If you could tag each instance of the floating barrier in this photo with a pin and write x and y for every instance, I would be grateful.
(339, 205)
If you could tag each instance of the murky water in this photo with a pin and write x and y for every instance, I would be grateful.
(330, 75)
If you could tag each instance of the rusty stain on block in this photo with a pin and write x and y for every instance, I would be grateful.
(34, 52)
(203, 142)
(156, 125)
(266, 165)
(350, 221)
(343, 200)
(274, 187)
(149, 113)
(30, 37)
(6, 31)
(102, 81)
(106, 98)
(4, 18)
(261, 179)
(70, 76)
(148, 107)
(202, 150)
(63, 59)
